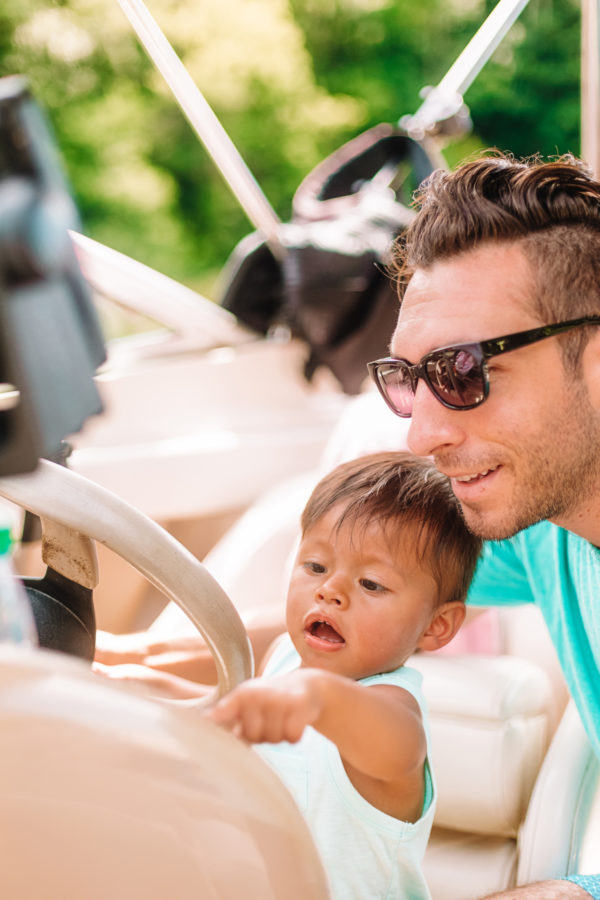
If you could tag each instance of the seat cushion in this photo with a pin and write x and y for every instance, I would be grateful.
(459, 866)
(489, 733)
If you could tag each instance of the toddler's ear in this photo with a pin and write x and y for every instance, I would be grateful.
(445, 622)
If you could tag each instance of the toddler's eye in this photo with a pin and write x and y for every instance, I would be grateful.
(371, 585)
(314, 567)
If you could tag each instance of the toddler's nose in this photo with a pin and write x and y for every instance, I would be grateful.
(334, 590)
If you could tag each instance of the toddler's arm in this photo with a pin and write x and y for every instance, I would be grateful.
(156, 682)
(377, 729)
(186, 656)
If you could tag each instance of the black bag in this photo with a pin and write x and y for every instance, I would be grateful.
(331, 288)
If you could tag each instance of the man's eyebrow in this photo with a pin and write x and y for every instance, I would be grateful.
(390, 350)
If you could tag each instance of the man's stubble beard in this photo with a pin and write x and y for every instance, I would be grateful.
(554, 482)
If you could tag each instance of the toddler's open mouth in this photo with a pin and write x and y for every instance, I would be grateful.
(324, 631)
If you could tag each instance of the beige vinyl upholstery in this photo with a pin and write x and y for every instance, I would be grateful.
(489, 731)
(561, 832)
(512, 808)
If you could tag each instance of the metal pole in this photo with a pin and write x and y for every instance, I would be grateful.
(590, 84)
(446, 99)
(205, 123)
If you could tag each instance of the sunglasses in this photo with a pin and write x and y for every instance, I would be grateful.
(457, 376)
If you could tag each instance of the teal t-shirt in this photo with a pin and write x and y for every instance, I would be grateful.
(560, 573)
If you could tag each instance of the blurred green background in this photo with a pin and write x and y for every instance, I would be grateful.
(290, 80)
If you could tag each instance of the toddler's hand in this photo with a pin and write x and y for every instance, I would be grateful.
(158, 684)
(132, 673)
(270, 709)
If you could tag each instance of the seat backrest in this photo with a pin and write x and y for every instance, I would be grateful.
(490, 726)
(561, 833)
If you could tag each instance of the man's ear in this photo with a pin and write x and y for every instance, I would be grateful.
(591, 368)
(445, 622)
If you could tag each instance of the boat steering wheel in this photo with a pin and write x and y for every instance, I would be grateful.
(75, 512)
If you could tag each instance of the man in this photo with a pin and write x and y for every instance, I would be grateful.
(501, 269)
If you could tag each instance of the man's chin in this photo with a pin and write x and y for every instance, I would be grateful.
(488, 527)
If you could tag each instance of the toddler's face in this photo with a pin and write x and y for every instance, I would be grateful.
(357, 604)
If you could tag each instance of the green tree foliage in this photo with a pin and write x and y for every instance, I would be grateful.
(527, 99)
(382, 52)
(290, 80)
(142, 179)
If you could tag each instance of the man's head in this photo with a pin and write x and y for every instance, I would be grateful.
(551, 209)
(502, 247)
(382, 568)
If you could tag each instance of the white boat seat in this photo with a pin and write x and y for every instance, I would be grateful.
(489, 731)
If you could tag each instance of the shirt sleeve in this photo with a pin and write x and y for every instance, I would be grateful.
(589, 883)
(501, 577)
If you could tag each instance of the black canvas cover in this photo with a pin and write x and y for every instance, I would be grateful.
(329, 286)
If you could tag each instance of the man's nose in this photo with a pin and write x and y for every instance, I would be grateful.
(432, 425)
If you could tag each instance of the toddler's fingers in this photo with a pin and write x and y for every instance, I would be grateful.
(224, 712)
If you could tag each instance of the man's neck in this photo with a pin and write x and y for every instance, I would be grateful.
(585, 522)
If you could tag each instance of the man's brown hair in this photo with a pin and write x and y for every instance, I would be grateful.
(551, 208)
(401, 491)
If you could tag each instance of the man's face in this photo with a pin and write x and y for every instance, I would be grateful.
(530, 451)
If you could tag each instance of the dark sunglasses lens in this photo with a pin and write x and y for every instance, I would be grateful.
(397, 387)
(456, 377)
